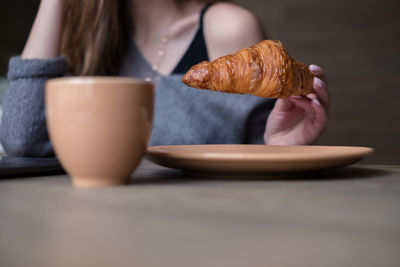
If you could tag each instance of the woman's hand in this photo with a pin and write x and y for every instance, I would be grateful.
(300, 120)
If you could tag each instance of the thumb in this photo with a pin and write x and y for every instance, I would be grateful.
(283, 104)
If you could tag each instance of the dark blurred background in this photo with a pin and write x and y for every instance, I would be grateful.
(356, 42)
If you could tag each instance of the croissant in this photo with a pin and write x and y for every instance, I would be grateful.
(265, 70)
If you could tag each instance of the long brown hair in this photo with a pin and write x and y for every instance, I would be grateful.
(96, 34)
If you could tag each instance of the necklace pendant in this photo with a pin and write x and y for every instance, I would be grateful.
(164, 40)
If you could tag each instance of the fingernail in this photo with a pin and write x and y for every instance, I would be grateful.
(314, 68)
(316, 101)
(311, 96)
(318, 82)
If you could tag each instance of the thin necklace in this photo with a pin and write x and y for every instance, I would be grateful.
(161, 51)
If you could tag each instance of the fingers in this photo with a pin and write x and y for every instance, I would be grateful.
(314, 108)
(320, 86)
(319, 72)
(320, 115)
(283, 105)
(303, 102)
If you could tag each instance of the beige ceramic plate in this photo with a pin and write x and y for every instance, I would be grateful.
(254, 160)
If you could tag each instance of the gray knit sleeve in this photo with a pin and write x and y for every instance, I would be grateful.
(23, 130)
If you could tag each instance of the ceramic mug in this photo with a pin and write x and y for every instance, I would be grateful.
(99, 126)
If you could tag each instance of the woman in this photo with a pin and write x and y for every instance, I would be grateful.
(156, 40)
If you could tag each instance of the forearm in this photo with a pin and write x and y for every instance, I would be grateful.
(45, 36)
(23, 126)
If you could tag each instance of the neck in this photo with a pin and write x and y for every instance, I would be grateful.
(150, 14)
(153, 19)
(163, 30)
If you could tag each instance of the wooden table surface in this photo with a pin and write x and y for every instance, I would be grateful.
(343, 217)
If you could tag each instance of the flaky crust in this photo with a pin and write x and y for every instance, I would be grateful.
(265, 70)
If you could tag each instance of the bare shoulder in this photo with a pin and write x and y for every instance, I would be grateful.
(229, 27)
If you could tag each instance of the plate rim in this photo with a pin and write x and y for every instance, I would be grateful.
(157, 151)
